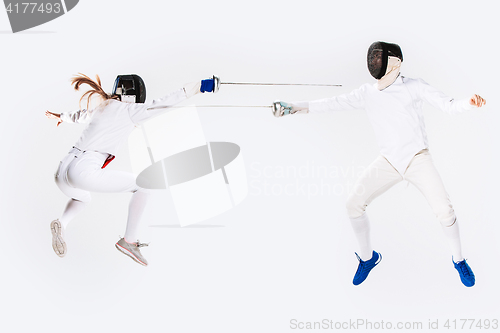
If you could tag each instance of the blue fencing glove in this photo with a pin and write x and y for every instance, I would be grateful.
(207, 85)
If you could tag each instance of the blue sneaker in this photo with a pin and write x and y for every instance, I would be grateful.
(365, 267)
(466, 275)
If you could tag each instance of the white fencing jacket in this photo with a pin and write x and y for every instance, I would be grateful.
(110, 124)
(395, 114)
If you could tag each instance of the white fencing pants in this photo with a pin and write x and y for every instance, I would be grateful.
(80, 173)
(381, 176)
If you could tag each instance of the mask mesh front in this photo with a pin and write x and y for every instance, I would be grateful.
(376, 60)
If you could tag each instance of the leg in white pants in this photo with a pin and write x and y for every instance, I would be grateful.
(423, 174)
(80, 173)
(380, 176)
(377, 178)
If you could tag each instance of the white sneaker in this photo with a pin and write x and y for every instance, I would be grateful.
(132, 250)
(58, 243)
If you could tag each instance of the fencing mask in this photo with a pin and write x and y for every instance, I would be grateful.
(378, 55)
(130, 88)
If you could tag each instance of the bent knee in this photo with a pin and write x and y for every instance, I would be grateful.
(355, 207)
(142, 190)
(446, 217)
(84, 198)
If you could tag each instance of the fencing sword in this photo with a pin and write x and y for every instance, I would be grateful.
(218, 82)
(210, 106)
(278, 108)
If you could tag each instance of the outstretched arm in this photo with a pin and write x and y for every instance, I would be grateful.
(445, 103)
(78, 117)
(353, 100)
(139, 113)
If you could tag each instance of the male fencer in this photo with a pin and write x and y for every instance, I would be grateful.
(394, 107)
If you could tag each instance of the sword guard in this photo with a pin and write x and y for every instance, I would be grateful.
(277, 109)
(281, 109)
(216, 83)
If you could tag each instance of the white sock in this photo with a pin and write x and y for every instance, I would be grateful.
(73, 207)
(361, 227)
(135, 209)
(452, 233)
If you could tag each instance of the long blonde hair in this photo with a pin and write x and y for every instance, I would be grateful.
(80, 79)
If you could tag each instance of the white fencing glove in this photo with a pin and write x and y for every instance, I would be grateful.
(281, 109)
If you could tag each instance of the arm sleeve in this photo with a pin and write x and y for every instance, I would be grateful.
(76, 117)
(139, 113)
(353, 100)
(441, 101)
(300, 107)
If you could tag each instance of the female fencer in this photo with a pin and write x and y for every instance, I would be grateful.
(83, 170)
(394, 108)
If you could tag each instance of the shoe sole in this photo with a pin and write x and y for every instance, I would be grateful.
(58, 243)
(129, 254)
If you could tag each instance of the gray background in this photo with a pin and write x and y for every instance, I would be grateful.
(287, 251)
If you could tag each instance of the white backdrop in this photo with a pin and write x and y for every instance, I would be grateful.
(286, 252)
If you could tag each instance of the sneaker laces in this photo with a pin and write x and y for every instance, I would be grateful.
(463, 268)
(360, 269)
(361, 265)
(139, 244)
